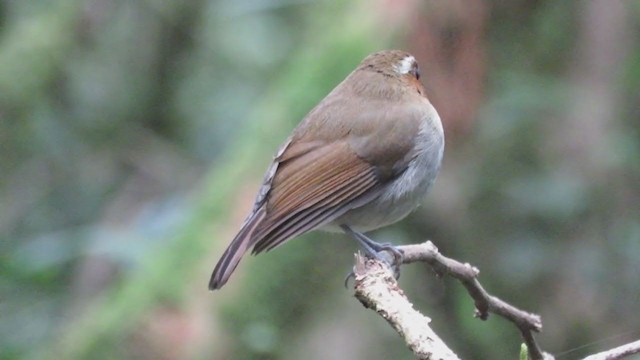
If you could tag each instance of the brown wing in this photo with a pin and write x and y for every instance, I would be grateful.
(311, 190)
(292, 202)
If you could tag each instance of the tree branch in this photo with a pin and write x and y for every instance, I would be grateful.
(377, 289)
(617, 353)
(485, 303)
(368, 273)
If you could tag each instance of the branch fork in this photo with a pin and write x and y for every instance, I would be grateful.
(377, 289)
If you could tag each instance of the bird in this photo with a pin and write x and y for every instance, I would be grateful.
(364, 157)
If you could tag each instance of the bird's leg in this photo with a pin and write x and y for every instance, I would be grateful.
(373, 250)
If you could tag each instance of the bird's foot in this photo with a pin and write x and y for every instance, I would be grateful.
(349, 276)
(376, 251)
(396, 252)
(393, 264)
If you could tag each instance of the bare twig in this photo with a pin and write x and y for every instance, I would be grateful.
(617, 353)
(377, 289)
(485, 303)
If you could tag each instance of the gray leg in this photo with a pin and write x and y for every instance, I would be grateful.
(373, 249)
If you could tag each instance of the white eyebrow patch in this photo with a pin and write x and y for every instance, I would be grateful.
(405, 65)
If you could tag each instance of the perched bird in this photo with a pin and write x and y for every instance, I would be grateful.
(363, 158)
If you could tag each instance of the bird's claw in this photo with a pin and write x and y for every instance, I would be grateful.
(394, 264)
(398, 254)
(350, 275)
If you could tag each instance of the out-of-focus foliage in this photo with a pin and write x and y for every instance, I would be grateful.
(133, 135)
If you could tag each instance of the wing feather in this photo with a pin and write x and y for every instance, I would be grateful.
(305, 200)
(331, 207)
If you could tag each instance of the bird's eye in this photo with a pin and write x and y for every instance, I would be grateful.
(415, 72)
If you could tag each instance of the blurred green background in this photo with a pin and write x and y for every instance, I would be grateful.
(134, 135)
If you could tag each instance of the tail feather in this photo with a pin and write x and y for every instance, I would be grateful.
(232, 256)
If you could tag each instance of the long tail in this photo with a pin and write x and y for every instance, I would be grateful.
(235, 251)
